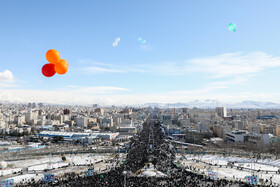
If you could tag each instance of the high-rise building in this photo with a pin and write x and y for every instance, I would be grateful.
(33, 105)
(67, 111)
(127, 111)
(221, 111)
(82, 122)
(202, 127)
(268, 129)
(108, 121)
(254, 129)
(29, 116)
(99, 110)
(185, 110)
(277, 130)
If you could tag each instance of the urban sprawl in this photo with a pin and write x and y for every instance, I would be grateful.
(57, 145)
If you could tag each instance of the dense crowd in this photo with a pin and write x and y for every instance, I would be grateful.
(140, 153)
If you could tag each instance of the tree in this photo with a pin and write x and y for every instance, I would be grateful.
(58, 139)
(63, 158)
(33, 130)
(25, 133)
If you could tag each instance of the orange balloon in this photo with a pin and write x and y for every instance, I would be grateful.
(61, 67)
(53, 56)
(65, 62)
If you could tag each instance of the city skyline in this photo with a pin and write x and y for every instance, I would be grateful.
(189, 53)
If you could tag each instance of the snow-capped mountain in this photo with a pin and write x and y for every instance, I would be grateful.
(213, 103)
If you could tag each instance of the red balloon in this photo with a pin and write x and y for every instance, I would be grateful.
(48, 70)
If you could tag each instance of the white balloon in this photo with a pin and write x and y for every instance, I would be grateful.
(117, 40)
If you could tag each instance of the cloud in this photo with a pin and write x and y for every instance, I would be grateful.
(8, 85)
(72, 86)
(221, 72)
(233, 81)
(232, 64)
(81, 98)
(92, 62)
(98, 90)
(95, 69)
(7, 76)
(75, 95)
(219, 66)
(115, 43)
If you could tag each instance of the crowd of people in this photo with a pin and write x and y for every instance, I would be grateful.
(143, 149)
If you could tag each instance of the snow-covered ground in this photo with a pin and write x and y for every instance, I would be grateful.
(76, 160)
(54, 162)
(51, 165)
(85, 159)
(9, 171)
(257, 166)
(247, 164)
(225, 159)
(31, 162)
(19, 178)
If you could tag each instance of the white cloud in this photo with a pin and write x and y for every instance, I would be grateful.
(98, 90)
(92, 62)
(7, 76)
(8, 85)
(233, 81)
(232, 64)
(75, 95)
(219, 66)
(224, 70)
(72, 86)
(79, 97)
(190, 92)
(95, 69)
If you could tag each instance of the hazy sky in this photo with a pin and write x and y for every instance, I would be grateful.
(189, 52)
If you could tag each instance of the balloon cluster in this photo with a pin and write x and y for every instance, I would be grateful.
(55, 65)
(139, 39)
(232, 27)
(117, 40)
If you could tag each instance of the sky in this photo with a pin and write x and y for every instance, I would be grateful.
(189, 52)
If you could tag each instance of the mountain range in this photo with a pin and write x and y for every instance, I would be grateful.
(209, 103)
(213, 103)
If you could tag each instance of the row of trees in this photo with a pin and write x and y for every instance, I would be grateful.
(20, 134)
(253, 150)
